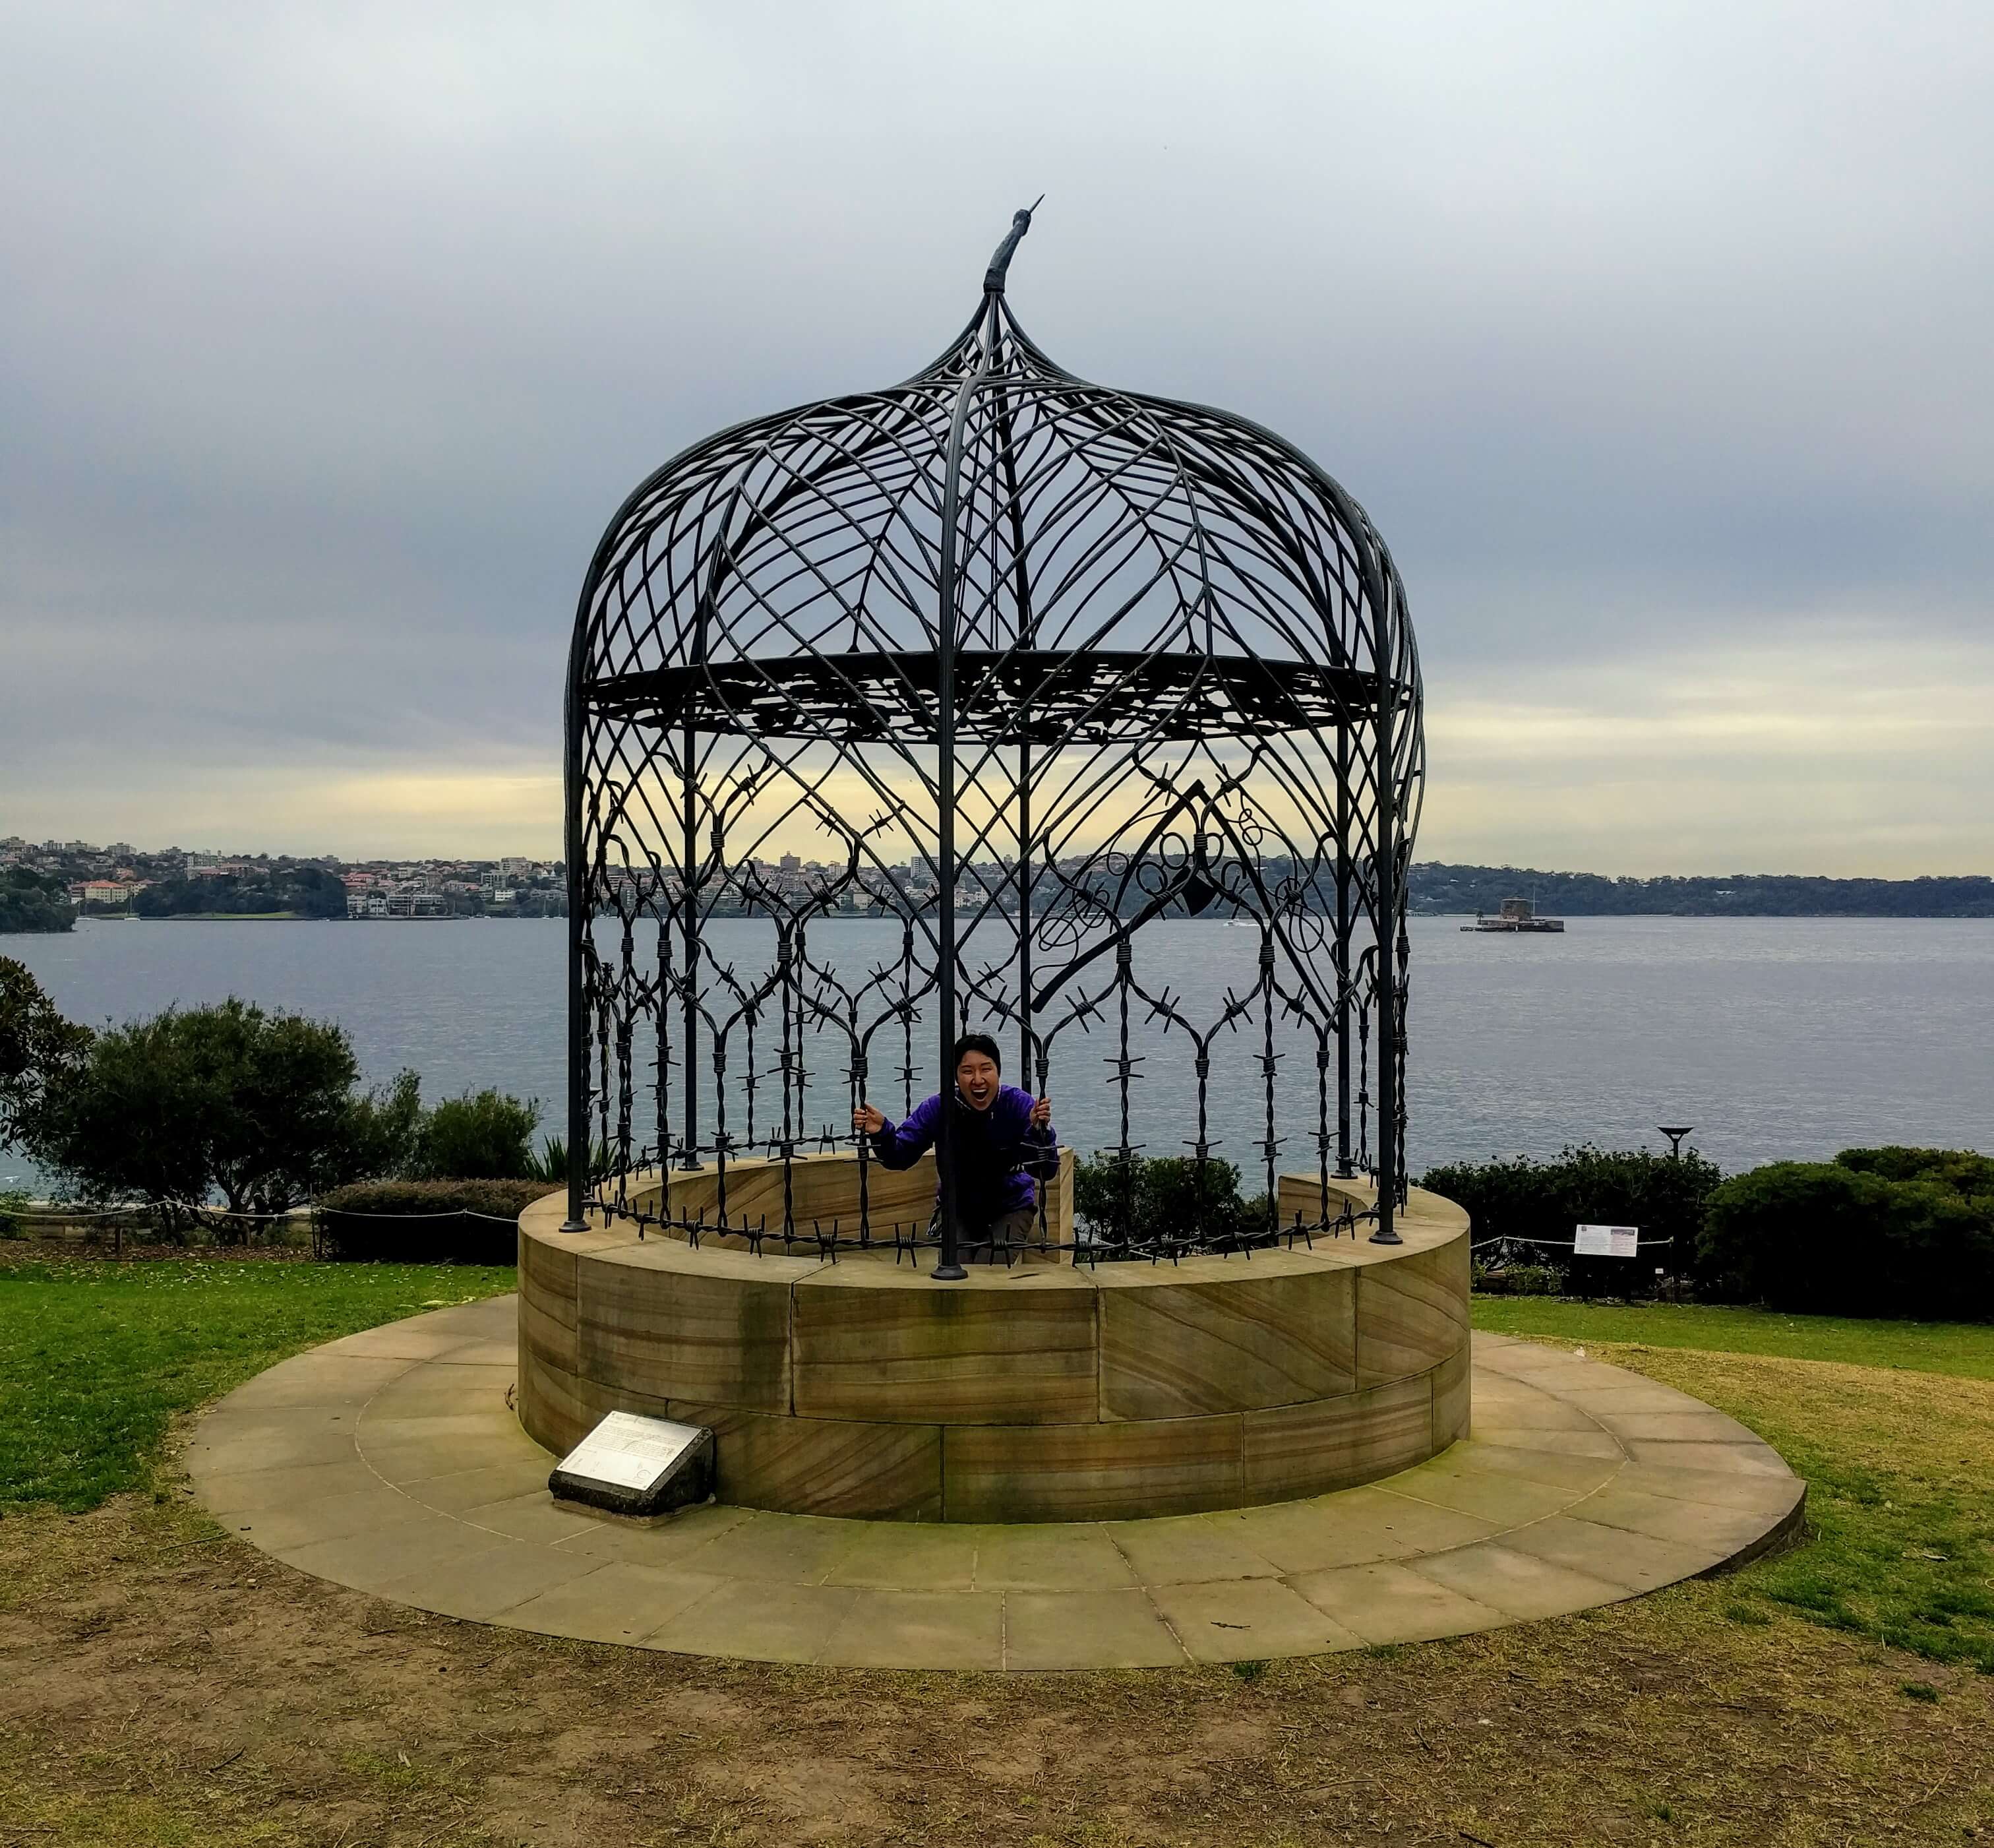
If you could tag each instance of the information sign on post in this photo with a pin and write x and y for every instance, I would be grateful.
(1606, 1241)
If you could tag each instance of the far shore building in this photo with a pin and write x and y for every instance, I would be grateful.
(397, 904)
(109, 892)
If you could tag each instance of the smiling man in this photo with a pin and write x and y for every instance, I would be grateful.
(1004, 1142)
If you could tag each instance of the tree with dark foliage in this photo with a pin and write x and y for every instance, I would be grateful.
(259, 1108)
(33, 901)
(38, 1049)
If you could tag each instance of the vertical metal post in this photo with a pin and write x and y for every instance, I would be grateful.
(689, 917)
(1268, 1144)
(574, 846)
(659, 1016)
(1344, 1168)
(1386, 881)
(950, 1266)
(1025, 913)
(1027, 632)
(688, 858)
(950, 1269)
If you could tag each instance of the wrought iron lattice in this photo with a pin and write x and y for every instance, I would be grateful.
(1028, 664)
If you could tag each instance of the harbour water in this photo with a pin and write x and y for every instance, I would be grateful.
(1777, 1037)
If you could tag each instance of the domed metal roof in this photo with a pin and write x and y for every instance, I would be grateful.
(1119, 565)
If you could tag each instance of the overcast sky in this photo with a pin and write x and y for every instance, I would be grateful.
(1656, 340)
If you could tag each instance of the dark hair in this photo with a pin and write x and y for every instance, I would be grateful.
(976, 1042)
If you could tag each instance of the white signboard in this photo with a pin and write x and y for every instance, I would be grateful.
(630, 1452)
(1606, 1241)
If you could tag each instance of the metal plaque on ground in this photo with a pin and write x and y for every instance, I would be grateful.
(630, 1464)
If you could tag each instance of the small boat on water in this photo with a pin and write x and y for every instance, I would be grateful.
(1518, 917)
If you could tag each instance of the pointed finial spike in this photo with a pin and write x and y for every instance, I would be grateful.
(1021, 222)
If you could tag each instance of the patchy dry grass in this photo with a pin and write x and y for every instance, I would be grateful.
(161, 1683)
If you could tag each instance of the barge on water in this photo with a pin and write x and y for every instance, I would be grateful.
(1518, 917)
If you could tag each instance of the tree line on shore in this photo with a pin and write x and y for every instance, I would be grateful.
(32, 901)
(1435, 888)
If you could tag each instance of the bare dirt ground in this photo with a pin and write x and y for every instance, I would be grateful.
(83, 1248)
(160, 1681)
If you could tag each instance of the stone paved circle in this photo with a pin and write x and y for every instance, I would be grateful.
(392, 1461)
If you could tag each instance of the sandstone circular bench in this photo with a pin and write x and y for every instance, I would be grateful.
(860, 1387)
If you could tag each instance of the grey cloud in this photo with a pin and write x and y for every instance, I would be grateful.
(334, 336)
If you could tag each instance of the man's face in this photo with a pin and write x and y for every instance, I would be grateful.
(976, 1078)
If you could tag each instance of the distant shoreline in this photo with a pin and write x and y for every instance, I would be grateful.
(855, 917)
(1435, 889)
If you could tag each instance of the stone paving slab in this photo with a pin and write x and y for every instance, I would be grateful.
(457, 1489)
(1088, 1630)
(889, 1628)
(299, 1523)
(614, 1602)
(1248, 1620)
(393, 1461)
(1505, 1501)
(320, 1378)
(253, 1491)
(1520, 1585)
(1389, 1603)
(1353, 1528)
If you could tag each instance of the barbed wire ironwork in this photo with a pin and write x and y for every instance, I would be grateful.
(1031, 664)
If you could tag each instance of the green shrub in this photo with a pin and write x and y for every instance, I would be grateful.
(1664, 1195)
(261, 1108)
(381, 1129)
(13, 1206)
(1960, 1169)
(1840, 1237)
(474, 1222)
(486, 1136)
(39, 1052)
(1165, 1196)
(551, 1165)
(33, 901)
(1517, 1279)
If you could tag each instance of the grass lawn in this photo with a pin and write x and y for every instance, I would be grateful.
(163, 1682)
(1963, 1349)
(1892, 1424)
(96, 1358)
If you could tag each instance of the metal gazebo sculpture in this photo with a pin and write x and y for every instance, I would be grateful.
(1032, 667)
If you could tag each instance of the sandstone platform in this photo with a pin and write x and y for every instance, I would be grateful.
(862, 1387)
(393, 1461)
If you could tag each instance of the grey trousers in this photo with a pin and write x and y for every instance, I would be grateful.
(1006, 1238)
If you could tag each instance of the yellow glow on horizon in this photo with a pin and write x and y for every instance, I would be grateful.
(1851, 753)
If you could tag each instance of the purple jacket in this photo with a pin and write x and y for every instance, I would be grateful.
(997, 1151)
